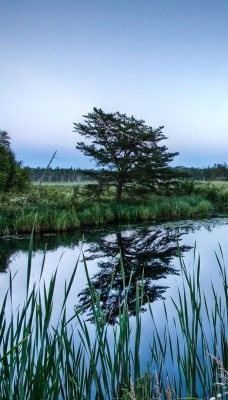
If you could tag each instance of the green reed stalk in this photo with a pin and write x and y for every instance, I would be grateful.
(42, 360)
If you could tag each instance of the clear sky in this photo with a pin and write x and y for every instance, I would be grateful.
(164, 61)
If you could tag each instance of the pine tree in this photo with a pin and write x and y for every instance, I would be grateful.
(12, 175)
(128, 152)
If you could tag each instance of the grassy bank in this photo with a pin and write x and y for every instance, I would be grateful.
(65, 207)
(40, 359)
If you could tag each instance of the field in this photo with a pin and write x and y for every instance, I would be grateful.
(64, 184)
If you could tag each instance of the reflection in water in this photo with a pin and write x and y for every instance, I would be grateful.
(145, 255)
(145, 250)
(10, 246)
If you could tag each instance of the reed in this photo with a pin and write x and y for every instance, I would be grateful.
(42, 359)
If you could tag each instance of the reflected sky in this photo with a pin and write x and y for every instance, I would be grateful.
(144, 248)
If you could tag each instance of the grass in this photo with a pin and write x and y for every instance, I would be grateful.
(66, 207)
(216, 192)
(42, 359)
(64, 183)
(61, 208)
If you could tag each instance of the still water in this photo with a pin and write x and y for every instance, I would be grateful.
(149, 249)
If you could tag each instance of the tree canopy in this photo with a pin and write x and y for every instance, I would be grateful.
(128, 151)
(12, 175)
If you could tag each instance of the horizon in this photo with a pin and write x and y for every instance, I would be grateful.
(94, 168)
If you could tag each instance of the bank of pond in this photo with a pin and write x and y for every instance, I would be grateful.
(126, 312)
(61, 208)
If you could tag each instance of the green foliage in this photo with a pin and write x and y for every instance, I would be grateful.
(12, 175)
(215, 192)
(61, 208)
(129, 153)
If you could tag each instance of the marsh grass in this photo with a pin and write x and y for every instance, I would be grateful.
(59, 210)
(44, 359)
(216, 192)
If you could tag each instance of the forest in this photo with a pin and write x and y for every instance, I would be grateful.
(217, 172)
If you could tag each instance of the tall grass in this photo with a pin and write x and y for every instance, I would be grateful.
(42, 359)
(65, 208)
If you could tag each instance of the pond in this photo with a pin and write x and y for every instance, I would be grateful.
(121, 255)
(149, 248)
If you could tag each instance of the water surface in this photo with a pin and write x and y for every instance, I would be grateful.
(149, 249)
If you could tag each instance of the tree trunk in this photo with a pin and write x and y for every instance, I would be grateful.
(119, 188)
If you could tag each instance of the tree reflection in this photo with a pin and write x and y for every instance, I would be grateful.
(146, 251)
(146, 256)
(11, 246)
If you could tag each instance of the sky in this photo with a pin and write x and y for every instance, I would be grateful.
(163, 61)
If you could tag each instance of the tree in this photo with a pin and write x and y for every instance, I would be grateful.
(12, 175)
(128, 152)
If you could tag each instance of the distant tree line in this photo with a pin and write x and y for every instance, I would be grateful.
(59, 174)
(218, 172)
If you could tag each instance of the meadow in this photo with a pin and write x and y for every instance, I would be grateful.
(64, 207)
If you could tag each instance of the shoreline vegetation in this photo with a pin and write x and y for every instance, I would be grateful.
(62, 360)
(67, 207)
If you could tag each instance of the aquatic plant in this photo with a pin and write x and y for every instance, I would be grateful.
(47, 357)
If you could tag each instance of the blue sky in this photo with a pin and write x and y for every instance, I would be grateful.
(164, 61)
